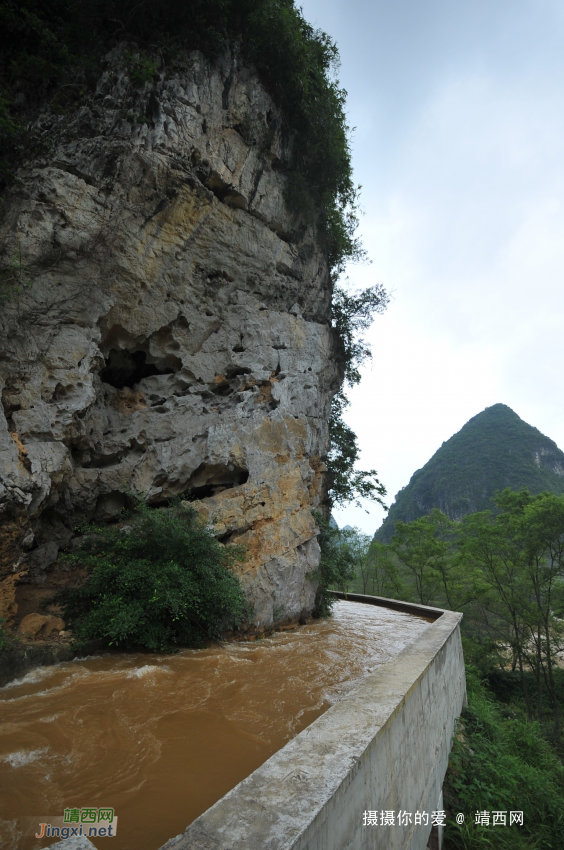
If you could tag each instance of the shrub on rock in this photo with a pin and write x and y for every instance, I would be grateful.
(162, 581)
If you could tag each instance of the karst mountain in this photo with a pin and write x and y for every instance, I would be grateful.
(495, 449)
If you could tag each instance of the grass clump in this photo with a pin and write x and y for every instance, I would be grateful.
(160, 582)
(500, 761)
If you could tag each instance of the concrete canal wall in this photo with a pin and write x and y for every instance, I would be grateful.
(383, 747)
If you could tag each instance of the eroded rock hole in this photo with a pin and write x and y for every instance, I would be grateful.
(10, 403)
(109, 506)
(235, 371)
(223, 388)
(60, 393)
(226, 538)
(96, 460)
(126, 368)
(212, 478)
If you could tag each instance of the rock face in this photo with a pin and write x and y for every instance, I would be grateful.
(40, 625)
(171, 334)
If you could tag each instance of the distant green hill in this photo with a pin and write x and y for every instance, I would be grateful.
(495, 449)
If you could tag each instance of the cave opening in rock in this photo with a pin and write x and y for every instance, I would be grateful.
(126, 368)
(209, 479)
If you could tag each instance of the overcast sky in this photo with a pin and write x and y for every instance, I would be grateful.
(458, 107)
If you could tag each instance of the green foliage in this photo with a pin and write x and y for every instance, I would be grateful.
(501, 762)
(350, 315)
(340, 553)
(33, 58)
(8, 126)
(495, 449)
(503, 568)
(378, 574)
(141, 69)
(347, 484)
(161, 582)
(421, 564)
(518, 551)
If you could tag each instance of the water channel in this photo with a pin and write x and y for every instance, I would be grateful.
(160, 738)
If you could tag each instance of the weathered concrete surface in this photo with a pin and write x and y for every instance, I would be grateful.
(415, 608)
(172, 330)
(383, 747)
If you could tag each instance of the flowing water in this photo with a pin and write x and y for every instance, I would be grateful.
(159, 738)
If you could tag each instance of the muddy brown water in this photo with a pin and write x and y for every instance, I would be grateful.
(160, 738)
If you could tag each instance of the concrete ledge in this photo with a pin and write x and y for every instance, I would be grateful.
(384, 746)
(395, 604)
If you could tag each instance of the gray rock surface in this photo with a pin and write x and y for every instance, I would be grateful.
(171, 333)
(79, 842)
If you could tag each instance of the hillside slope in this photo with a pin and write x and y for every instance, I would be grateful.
(495, 449)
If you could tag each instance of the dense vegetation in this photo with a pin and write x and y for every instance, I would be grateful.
(504, 569)
(162, 580)
(500, 761)
(341, 553)
(494, 450)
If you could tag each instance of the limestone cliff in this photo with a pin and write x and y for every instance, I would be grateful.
(171, 333)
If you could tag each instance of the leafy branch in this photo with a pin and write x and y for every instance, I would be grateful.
(351, 314)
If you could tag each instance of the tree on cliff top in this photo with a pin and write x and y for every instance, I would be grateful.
(53, 51)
